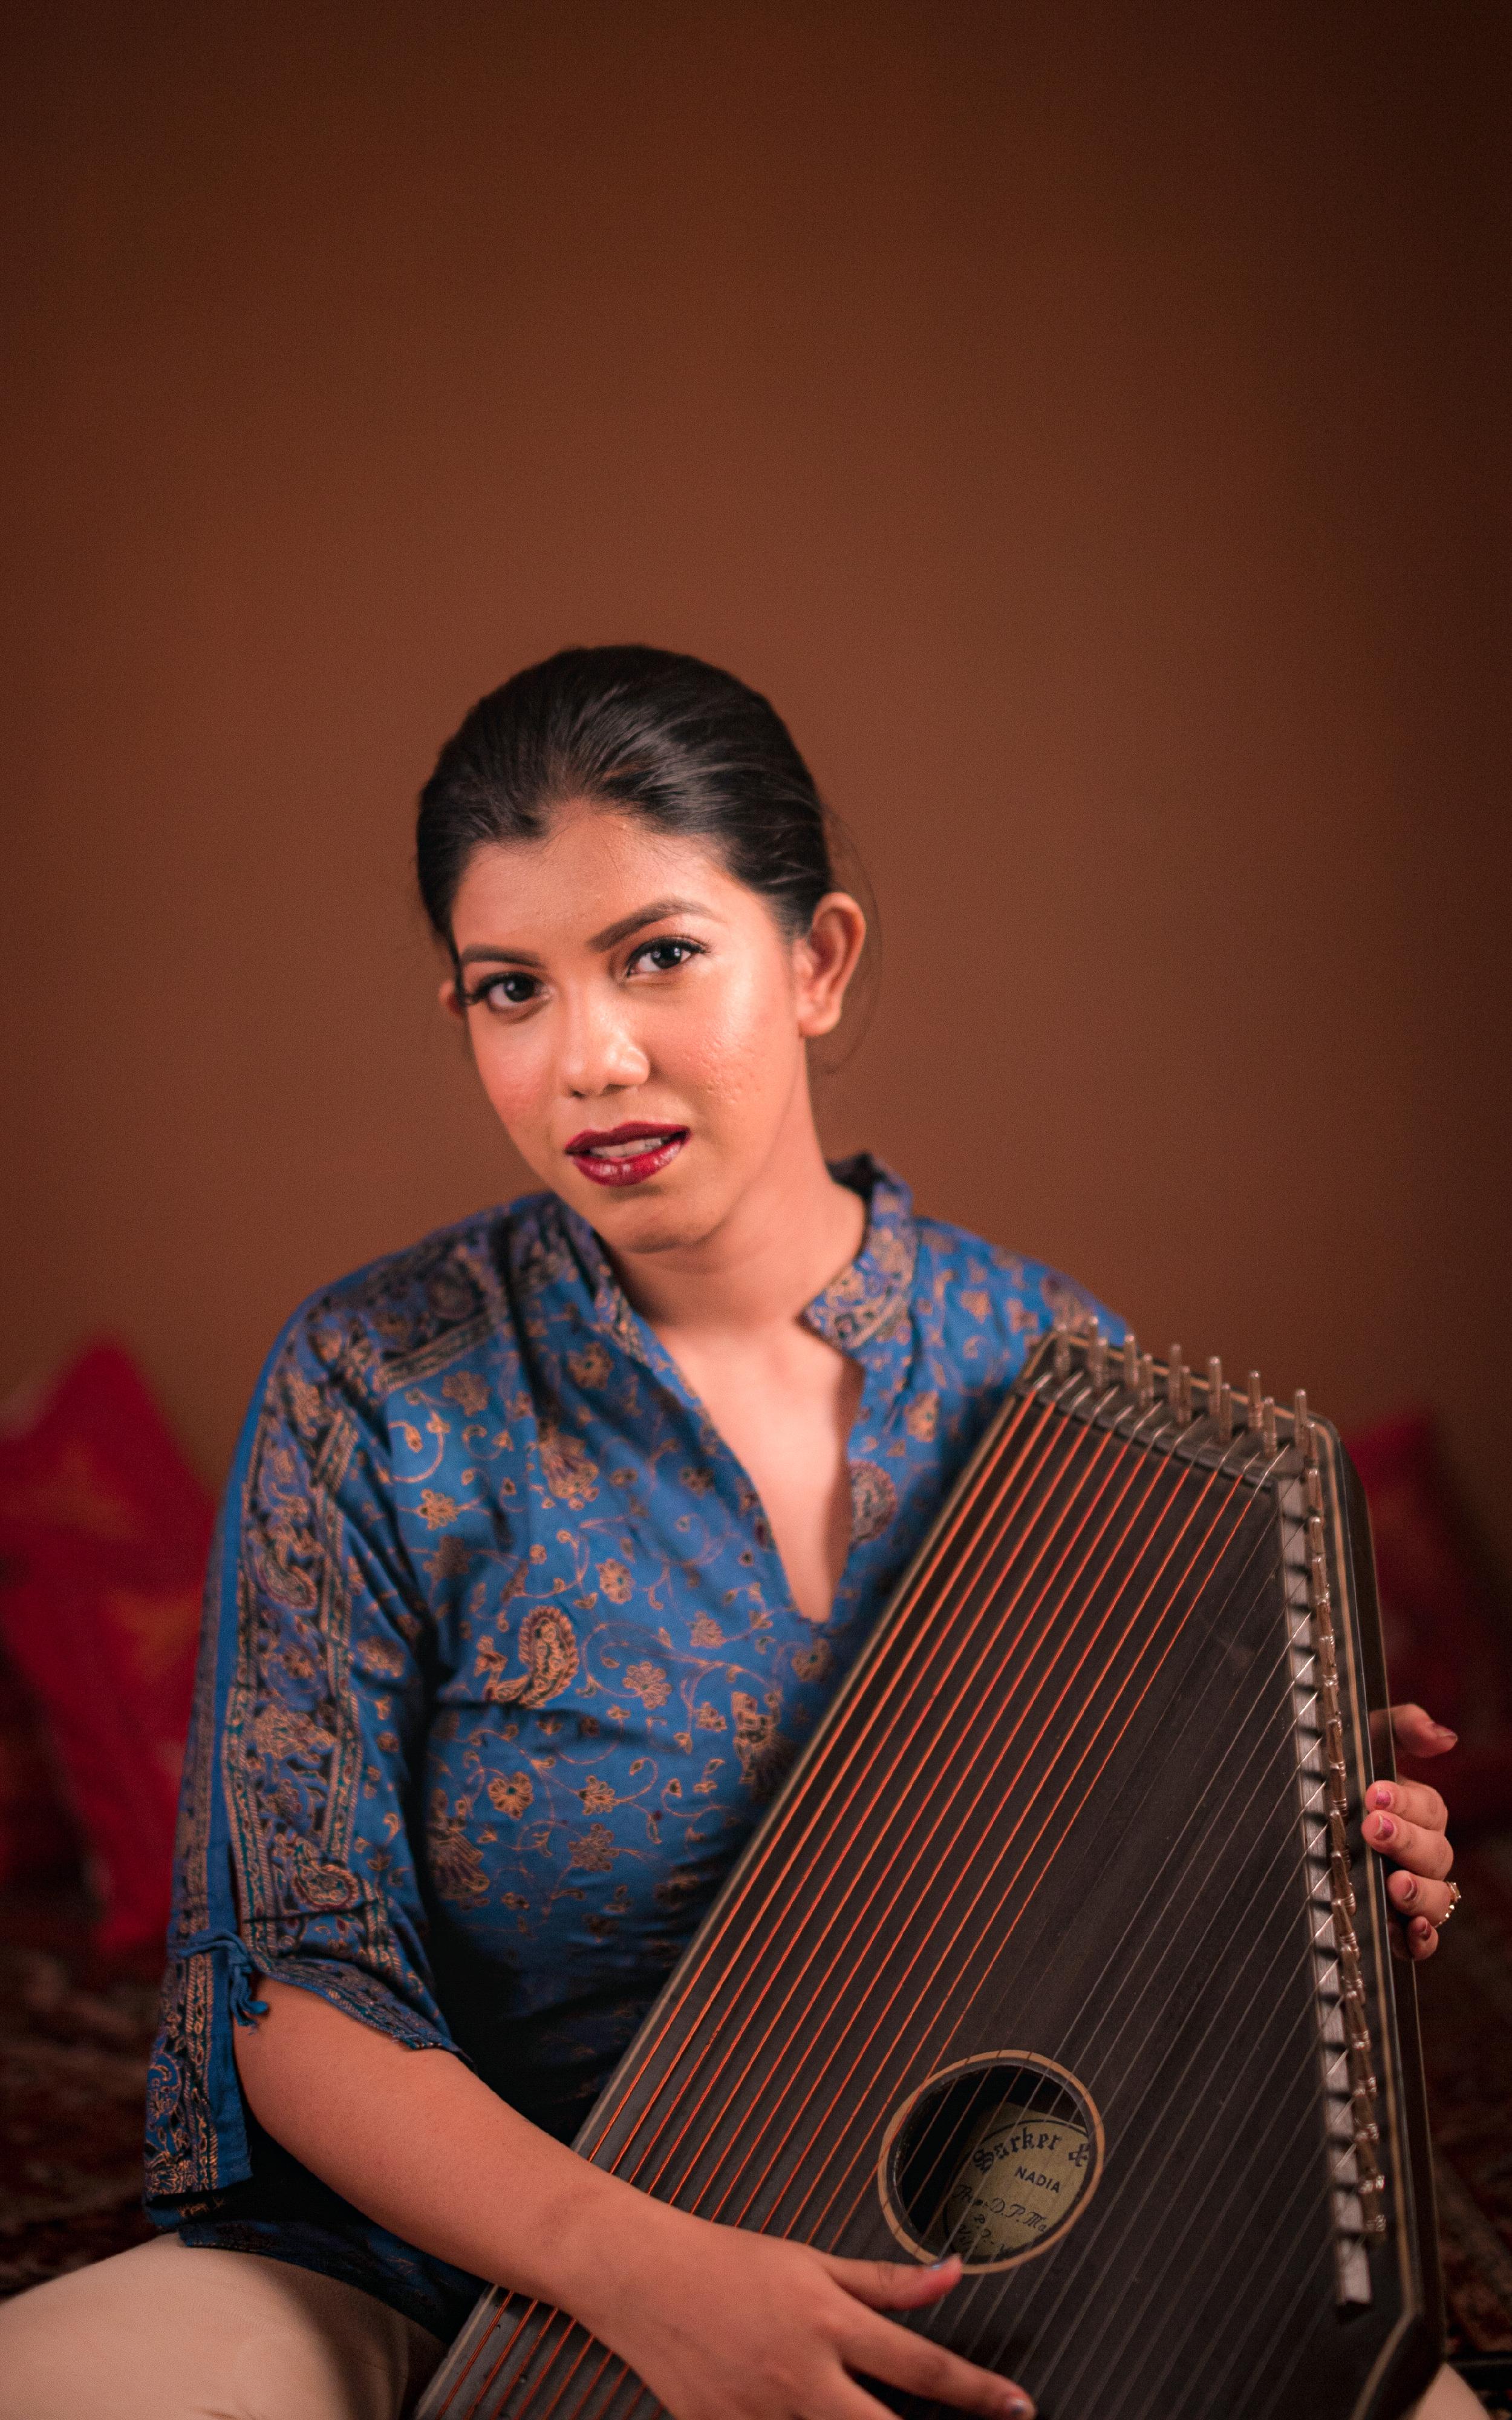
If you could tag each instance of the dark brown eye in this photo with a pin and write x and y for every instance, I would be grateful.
(505, 991)
(664, 957)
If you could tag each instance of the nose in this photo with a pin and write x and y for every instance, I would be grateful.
(599, 1051)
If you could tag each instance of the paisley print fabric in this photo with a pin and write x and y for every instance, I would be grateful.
(499, 1668)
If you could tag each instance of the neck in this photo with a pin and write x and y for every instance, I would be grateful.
(791, 1232)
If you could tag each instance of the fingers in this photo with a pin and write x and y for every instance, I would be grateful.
(1419, 1939)
(1419, 1901)
(1423, 1907)
(1405, 1823)
(1415, 1799)
(1420, 1851)
(1417, 1732)
(900, 2358)
(852, 2402)
(893, 2285)
(896, 2356)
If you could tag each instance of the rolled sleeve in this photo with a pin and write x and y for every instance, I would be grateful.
(299, 1814)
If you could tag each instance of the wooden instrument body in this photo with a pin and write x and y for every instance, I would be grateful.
(1064, 1838)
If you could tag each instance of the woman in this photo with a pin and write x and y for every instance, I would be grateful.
(545, 1545)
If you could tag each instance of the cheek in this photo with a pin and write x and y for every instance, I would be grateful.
(741, 1046)
(515, 1075)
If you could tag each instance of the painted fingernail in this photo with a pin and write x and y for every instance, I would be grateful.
(1408, 1893)
(1379, 1794)
(1442, 1732)
(1017, 2406)
(1383, 1828)
(1422, 1927)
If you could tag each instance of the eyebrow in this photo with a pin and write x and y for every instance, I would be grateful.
(611, 934)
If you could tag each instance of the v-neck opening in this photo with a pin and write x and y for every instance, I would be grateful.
(859, 1312)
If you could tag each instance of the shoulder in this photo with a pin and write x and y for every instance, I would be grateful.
(406, 1318)
(989, 1305)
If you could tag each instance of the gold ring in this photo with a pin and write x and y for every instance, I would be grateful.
(1455, 1895)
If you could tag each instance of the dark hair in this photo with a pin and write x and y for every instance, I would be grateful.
(686, 747)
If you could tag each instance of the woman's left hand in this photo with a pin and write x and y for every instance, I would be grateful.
(1405, 1823)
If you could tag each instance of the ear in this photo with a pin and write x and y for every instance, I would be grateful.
(451, 1000)
(825, 961)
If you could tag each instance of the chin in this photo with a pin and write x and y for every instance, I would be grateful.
(650, 1226)
(648, 1218)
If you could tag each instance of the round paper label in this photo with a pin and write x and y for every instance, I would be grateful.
(1019, 2180)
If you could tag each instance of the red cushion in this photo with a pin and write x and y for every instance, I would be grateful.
(1444, 1613)
(104, 1530)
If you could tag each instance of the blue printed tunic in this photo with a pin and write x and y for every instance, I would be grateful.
(499, 1668)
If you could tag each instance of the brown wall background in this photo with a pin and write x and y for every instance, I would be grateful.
(1088, 424)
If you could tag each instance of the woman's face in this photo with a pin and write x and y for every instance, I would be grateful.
(638, 1018)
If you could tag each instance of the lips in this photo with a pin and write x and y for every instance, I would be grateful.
(626, 1154)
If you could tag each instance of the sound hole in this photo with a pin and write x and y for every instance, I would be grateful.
(991, 2159)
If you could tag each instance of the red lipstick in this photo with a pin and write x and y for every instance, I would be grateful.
(626, 1154)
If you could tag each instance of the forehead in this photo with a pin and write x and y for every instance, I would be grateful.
(590, 866)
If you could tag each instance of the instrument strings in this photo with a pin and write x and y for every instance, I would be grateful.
(1043, 1445)
(780, 1833)
(920, 1646)
(954, 1593)
(1117, 1978)
(1159, 2397)
(971, 1907)
(1279, 1748)
(1178, 2146)
(1200, 2210)
(826, 1918)
(702, 2196)
(1051, 2087)
(989, 1781)
(976, 1554)
(815, 2226)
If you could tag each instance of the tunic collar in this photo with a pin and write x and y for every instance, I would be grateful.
(868, 1303)
(864, 1307)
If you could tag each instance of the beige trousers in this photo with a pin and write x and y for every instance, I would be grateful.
(164, 2332)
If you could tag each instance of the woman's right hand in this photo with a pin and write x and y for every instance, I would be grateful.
(722, 2324)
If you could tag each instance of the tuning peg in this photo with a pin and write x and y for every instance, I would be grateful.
(1303, 1430)
(1096, 1357)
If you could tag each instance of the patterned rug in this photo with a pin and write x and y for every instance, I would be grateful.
(74, 2039)
(73, 2053)
(1466, 1999)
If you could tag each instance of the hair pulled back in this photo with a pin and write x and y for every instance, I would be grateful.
(688, 749)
